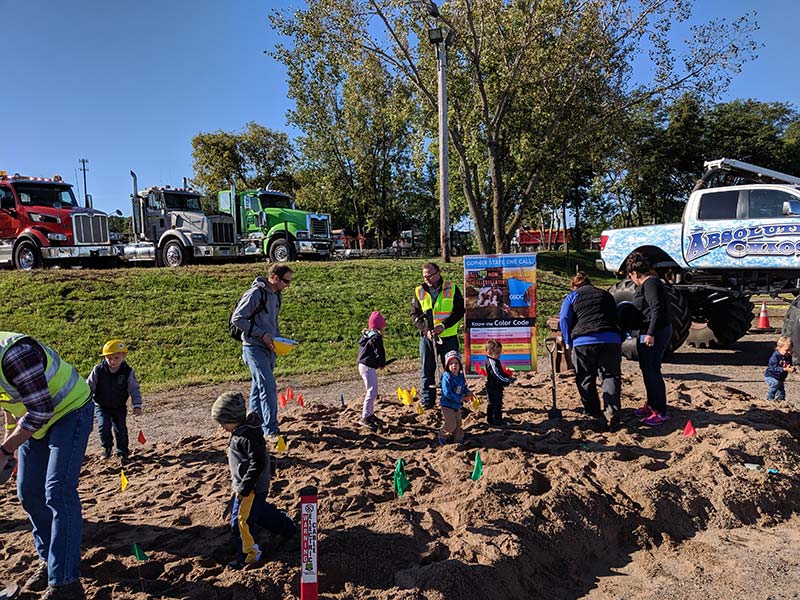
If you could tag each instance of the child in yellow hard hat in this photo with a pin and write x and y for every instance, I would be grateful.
(112, 381)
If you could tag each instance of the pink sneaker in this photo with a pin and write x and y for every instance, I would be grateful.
(643, 411)
(655, 419)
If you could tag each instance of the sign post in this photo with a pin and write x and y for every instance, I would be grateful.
(308, 548)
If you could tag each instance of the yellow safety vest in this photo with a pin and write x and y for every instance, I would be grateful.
(68, 390)
(442, 308)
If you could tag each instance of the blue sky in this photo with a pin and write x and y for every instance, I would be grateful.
(127, 84)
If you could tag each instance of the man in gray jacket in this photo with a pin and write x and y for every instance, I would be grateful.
(256, 316)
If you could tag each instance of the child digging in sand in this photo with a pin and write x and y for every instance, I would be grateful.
(779, 367)
(371, 356)
(248, 461)
(454, 392)
(496, 380)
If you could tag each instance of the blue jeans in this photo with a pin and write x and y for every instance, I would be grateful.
(47, 486)
(116, 419)
(263, 389)
(776, 390)
(427, 370)
(650, 358)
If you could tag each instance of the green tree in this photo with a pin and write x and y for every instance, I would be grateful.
(532, 83)
(252, 158)
(356, 154)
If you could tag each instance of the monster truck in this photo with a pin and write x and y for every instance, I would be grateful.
(740, 235)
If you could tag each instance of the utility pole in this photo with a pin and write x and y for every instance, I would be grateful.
(83, 162)
(441, 39)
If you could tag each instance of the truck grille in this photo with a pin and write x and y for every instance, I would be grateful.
(318, 227)
(221, 233)
(90, 229)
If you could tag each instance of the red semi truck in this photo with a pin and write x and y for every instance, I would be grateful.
(42, 223)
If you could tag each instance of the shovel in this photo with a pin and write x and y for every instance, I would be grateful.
(550, 344)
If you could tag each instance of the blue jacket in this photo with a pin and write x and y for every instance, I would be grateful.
(454, 388)
(776, 363)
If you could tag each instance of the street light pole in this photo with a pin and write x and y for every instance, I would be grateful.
(444, 188)
(441, 39)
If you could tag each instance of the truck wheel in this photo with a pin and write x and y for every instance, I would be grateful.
(280, 250)
(173, 254)
(681, 318)
(729, 321)
(27, 256)
(791, 328)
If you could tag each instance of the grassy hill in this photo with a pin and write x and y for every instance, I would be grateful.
(175, 320)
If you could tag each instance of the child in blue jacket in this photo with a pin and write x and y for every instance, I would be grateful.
(779, 367)
(454, 392)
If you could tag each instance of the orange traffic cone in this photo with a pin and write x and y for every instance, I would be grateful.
(763, 319)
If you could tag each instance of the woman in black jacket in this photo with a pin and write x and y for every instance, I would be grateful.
(652, 299)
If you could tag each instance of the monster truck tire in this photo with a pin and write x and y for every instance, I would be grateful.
(791, 328)
(681, 318)
(731, 320)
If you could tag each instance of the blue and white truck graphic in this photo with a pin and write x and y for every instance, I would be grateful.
(740, 235)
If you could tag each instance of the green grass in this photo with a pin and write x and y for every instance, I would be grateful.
(175, 320)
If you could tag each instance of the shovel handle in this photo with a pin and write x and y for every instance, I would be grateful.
(550, 344)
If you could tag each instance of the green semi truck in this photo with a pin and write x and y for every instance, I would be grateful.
(268, 224)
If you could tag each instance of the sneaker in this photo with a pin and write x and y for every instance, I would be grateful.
(38, 581)
(69, 591)
(106, 453)
(428, 404)
(655, 419)
(643, 411)
(441, 439)
(369, 424)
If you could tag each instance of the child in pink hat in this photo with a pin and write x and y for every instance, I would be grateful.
(371, 356)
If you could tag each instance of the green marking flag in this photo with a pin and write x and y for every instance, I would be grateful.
(400, 481)
(138, 552)
(478, 470)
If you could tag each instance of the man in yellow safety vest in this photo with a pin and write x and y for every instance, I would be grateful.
(436, 309)
(49, 415)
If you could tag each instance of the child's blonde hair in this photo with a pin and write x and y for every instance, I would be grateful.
(783, 340)
(493, 346)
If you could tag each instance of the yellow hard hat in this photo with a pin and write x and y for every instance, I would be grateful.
(114, 346)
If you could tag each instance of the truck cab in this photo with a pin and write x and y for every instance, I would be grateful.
(269, 224)
(41, 223)
(170, 228)
(740, 229)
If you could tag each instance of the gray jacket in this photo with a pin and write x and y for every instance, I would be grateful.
(265, 320)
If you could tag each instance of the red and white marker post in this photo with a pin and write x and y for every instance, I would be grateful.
(308, 548)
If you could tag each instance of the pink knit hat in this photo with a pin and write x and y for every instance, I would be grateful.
(376, 320)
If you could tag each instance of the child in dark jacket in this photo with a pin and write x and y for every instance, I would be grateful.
(249, 464)
(112, 381)
(371, 356)
(454, 392)
(496, 380)
(779, 367)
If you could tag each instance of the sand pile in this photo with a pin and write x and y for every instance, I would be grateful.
(560, 503)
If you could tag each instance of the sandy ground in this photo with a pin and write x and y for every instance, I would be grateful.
(564, 509)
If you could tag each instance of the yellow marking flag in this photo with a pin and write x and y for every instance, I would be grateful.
(475, 403)
(123, 480)
(281, 445)
(420, 410)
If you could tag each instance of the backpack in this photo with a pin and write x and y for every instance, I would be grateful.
(234, 331)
